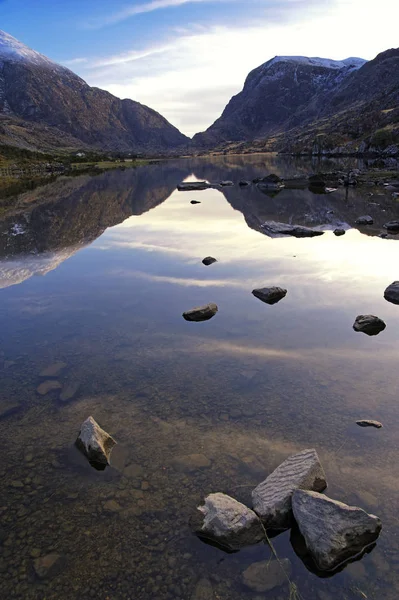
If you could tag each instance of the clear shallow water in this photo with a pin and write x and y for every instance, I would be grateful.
(246, 389)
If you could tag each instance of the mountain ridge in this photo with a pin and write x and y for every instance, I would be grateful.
(40, 92)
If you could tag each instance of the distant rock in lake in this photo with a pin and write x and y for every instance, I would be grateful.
(270, 295)
(189, 186)
(369, 324)
(392, 293)
(195, 202)
(201, 313)
(365, 220)
(339, 232)
(369, 423)
(274, 228)
(208, 260)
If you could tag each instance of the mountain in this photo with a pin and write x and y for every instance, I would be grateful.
(299, 103)
(44, 105)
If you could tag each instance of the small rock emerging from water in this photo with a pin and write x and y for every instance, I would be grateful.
(48, 386)
(265, 575)
(201, 313)
(392, 226)
(227, 522)
(339, 232)
(272, 498)
(53, 370)
(369, 324)
(369, 423)
(334, 532)
(244, 183)
(209, 260)
(273, 228)
(189, 186)
(365, 220)
(392, 293)
(95, 443)
(226, 183)
(195, 202)
(270, 295)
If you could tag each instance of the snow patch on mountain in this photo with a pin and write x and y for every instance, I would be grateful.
(13, 50)
(327, 63)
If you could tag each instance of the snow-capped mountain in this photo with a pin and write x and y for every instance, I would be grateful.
(45, 103)
(277, 95)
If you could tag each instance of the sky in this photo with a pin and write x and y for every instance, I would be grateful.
(186, 58)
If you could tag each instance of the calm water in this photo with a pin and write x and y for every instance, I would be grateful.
(96, 272)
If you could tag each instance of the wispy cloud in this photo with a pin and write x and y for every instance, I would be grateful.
(138, 9)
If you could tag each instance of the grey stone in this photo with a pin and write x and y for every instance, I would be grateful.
(369, 324)
(94, 442)
(334, 532)
(54, 369)
(208, 260)
(48, 386)
(392, 226)
(226, 183)
(273, 228)
(392, 293)
(270, 295)
(266, 575)
(203, 590)
(365, 220)
(201, 313)
(339, 232)
(244, 183)
(227, 522)
(272, 498)
(190, 462)
(48, 566)
(369, 423)
(189, 186)
(69, 391)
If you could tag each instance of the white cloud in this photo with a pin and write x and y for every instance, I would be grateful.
(138, 9)
(190, 76)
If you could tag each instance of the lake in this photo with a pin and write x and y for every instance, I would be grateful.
(95, 273)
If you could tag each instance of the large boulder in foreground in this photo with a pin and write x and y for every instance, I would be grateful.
(333, 531)
(270, 295)
(272, 498)
(95, 443)
(227, 522)
(201, 313)
(392, 293)
(273, 228)
(369, 324)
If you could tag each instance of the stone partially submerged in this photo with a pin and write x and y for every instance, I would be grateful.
(369, 324)
(270, 295)
(189, 186)
(208, 260)
(266, 575)
(226, 522)
(272, 498)
(274, 229)
(365, 220)
(201, 313)
(392, 226)
(369, 423)
(392, 293)
(95, 443)
(333, 531)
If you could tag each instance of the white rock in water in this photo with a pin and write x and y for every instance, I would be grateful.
(94, 442)
(227, 522)
(334, 532)
(272, 498)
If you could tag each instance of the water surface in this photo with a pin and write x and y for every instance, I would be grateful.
(96, 272)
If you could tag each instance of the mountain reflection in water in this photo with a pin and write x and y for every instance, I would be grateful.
(121, 253)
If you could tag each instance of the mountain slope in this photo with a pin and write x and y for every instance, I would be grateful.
(299, 103)
(39, 92)
(274, 94)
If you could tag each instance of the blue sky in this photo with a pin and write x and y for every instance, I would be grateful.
(187, 58)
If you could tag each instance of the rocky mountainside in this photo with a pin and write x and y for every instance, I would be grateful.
(45, 105)
(312, 104)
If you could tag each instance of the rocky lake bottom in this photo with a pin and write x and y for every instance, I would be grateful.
(95, 273)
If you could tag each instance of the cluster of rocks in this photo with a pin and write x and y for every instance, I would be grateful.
(290, 496)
